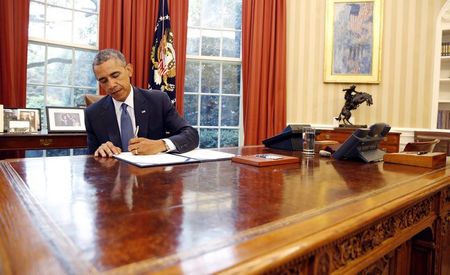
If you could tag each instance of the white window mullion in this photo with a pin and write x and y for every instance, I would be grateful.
(199, 106)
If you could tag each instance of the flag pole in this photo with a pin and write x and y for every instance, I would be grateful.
(163, 27)
(162, 12)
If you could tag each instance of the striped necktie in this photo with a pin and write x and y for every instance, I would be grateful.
(126, 128)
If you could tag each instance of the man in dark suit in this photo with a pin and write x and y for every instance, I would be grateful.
(160, 128)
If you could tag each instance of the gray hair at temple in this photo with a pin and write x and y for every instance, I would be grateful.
(107, 54)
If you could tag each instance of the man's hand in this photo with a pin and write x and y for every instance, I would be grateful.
(107, 149)
(143, 146)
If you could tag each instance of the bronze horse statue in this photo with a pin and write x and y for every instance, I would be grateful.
(352, 101)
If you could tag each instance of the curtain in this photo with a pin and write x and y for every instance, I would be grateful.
(179, 11)
(14, 16)
(263, 68)
(129, 25)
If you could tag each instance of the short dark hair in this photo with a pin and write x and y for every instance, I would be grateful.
(107, 54)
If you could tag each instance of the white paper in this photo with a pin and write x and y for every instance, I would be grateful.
(196, 155)
(206, 154)
(153, 160)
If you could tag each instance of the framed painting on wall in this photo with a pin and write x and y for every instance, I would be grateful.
(353, 41)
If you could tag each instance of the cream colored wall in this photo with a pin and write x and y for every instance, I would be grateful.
(402, 99)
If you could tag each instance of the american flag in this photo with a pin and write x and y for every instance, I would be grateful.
(162, 64)
(162, 67)
(360, 15)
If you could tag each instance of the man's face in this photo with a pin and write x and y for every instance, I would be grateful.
(114, 78)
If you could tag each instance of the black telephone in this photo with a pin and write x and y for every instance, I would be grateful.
(290, 139)
(363, 144)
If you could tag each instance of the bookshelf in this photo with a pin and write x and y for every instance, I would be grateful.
(443, 116)
(442, 71)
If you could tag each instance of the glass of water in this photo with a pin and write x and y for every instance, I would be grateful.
(309, 135)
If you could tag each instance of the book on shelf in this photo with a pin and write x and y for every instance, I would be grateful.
(445, 49)
(443, 119)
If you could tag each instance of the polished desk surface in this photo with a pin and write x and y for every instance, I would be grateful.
(78, 215)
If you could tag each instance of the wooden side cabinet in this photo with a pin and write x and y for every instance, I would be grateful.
(390, 144)
(12, 145)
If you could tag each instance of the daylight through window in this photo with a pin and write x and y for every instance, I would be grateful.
(212, 96)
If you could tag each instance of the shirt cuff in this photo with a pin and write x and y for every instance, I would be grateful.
(169, 144)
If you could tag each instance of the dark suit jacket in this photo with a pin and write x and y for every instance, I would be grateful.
(154, 114)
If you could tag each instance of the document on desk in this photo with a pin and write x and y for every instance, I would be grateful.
(207, 155)
(197, 155)
(154, 160)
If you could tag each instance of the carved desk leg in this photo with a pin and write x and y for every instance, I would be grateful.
(443, 244)
(382, 266)
(442, 265)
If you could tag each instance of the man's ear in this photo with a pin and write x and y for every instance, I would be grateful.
(129, 68)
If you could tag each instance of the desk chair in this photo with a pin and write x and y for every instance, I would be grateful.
(90, 99)
(427, 146)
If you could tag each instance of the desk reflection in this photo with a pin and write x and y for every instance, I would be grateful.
(374, 179)
(143, 204)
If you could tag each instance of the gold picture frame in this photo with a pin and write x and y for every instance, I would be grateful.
(353, 41)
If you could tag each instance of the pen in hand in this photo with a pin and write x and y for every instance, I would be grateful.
(136, 131)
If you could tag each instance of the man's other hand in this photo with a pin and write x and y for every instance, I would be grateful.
(107, 149)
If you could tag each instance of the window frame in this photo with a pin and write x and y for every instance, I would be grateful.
(73, 47)
(220, 60)
(63, 45)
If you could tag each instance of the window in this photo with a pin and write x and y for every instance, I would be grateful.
(212, 96)
(63, 40)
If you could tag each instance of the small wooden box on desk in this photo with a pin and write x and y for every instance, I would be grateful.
(390, 144)
(429, 160)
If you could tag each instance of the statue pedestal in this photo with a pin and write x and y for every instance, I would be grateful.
(352, 126)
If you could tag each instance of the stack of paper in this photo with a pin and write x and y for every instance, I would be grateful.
(197, 155)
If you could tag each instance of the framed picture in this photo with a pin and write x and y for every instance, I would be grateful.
(19, 126)
(65, 119)
(353, 41)
(33, 115)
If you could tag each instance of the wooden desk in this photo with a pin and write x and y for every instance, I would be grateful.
(390, 144)
(15, 143)
(81, 215)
